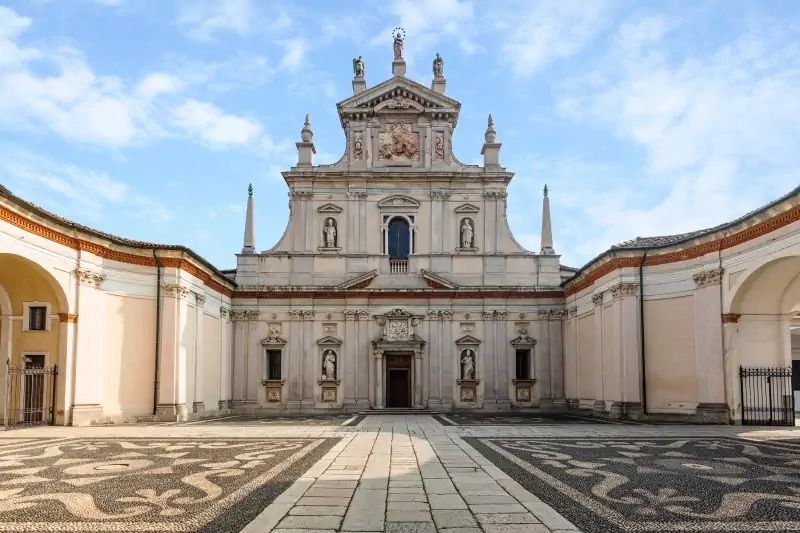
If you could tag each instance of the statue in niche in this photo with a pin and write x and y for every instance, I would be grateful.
(329, 366)
(358, 67)
(467, 364)
(439, 145)
(438, 66)
(358, 146)
(330, 233)
(467, 233)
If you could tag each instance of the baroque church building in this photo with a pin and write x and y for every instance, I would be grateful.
(397, 284)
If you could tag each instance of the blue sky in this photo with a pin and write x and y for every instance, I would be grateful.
(147, 119)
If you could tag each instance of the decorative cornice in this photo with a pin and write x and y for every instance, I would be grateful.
(708, 277)
(330, 293)
(597, 299)
(89, 278)
(67, 318)
(244, 315)
(176, 290)
(730, 318)
(105, 252)
(598, 269)
(622, 290)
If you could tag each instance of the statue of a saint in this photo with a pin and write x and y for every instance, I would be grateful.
(438, 66)
(398, 44)
(358, 67)
(358, 146)
(330, 233)
(329, 366)
(466, 234)
(468, 364)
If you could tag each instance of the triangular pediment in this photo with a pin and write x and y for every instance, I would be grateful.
(399, 200)
(401, 94)
(329, 208)
(468, 340)
(273, 340)
(358, 282)
(467, 208)
(329, 340)
(437, 282)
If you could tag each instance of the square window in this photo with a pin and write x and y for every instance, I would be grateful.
(37, 318)
(523, 364)
(273, 364)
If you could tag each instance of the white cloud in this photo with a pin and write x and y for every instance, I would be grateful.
(548, 30)
(201, 19)
(158, 83)
(712, 127)
(296, 50)
(213, 126)
(90, 194)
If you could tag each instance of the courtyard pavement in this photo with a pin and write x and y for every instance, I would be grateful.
(400, 473)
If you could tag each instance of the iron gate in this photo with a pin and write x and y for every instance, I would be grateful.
(30, 395)
(767, 396)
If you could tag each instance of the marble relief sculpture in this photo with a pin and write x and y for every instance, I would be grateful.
(468, 364)
(329, 366)
(439, 145)
(399, 143)
(330, 233)
(358, 146)
(467, 234)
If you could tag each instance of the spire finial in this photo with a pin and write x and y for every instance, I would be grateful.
(491, 134)
(306, 134)
(250, 190)
(545, 189)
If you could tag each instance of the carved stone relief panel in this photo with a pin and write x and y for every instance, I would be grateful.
(438, 147)
(398, 143)
(358, 145)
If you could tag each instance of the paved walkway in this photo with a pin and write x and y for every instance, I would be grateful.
(403, 475)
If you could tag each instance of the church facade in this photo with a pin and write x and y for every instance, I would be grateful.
(396, 285)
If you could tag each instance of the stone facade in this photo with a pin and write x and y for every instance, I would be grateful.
(398, 250)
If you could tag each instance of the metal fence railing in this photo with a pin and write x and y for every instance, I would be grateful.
(767, 396)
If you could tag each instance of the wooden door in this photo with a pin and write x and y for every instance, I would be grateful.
(399, 394)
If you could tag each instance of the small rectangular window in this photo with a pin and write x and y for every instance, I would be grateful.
(523, 364)
(37, 318)
(273, 364)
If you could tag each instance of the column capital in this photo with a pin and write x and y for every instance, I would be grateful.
(560, 314)
(87, 277)
(708, 277)
(224, 312)
(544, 314)
(573, 311)
(379, 354)
(176, 290)
(622, 290)
(363, 315)
(597, 299)
(350, 315)
(200, 298)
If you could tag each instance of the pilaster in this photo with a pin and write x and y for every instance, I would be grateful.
(351, 361)
(708, 348)
(502, 351)
(90, 354)
(199, 360)
(296, 378)
(543, 370)
(624, 297)
(173, 375)
(490, 357)
(445, 378)
(435, 348)
(599, 356)
(363, 355)
(309, 357)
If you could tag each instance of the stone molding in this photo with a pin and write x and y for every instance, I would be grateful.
(597, 299)
(731, 318)
(363, 315)
(305, 195)
(176, 290)
(622, 290)
(89, 278)
(559, 314)
(708, 277)
(543, 314)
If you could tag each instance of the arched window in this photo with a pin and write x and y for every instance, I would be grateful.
(399, 238)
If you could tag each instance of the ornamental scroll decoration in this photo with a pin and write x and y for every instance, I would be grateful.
(708, 277)
(399, 142)
(87, 277)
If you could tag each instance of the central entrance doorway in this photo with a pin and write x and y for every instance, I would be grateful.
(398, 380)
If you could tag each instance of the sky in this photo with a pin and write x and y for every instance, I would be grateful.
(148, 118)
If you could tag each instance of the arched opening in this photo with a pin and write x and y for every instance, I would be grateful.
(399, 239)
(764, 331)
(32, 305)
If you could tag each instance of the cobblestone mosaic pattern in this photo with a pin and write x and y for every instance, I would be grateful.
(198, 485)
(285, 420)
(516, 420)
(673, 484)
